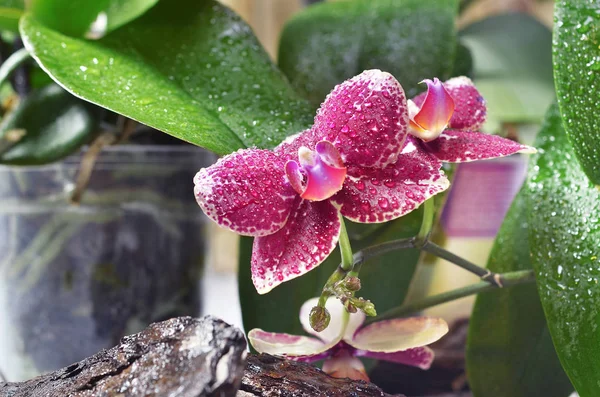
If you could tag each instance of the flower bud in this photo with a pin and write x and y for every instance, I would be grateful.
(352, 283)
(369, 309)
(349, 305)
(319, 318)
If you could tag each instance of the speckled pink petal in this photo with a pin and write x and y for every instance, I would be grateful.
(399, 334)
(469, 106)
(434, 112)
(336, 311)
(308, 237)
(365, 118)
(303, 348)
(455, 146)
(288, 149)
(420, 357)
(246, 192)
(372, 195)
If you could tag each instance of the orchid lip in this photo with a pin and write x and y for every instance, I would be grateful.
(319, 174)
(432, 118)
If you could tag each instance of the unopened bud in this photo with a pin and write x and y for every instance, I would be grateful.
(352, 283)
(319, 318)
(369, 309)
(350, 308)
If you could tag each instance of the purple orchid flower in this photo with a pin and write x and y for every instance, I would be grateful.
(445, 120)
(352, 161)
(400, 341)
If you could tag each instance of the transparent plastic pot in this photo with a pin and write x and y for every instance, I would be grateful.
(76, 278)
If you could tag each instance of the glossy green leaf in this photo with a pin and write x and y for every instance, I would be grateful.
(190, 68)
(512, 66)
(56, 124)
(70, 17)
(509, 349)
(332, 41)
(564, 236)
(385, 280)
(119, 12)
(577, 72)
(9, 18)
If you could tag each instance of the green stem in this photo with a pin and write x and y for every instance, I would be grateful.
(12, 63)
(345, 248)
(427, 223)
(379, 249)
(484, 274)
(510, 279)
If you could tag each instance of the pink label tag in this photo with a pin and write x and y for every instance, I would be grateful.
(480, 196)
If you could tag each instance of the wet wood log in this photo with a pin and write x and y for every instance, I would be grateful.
(182, 357)
(268, 376)
(187, 357)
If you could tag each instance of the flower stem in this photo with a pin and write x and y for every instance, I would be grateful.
(510, 279)
(345, 266)
(345, 248)
(486, 275)
(427, 223)
(12, 63)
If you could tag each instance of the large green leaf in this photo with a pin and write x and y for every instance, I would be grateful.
(191, 68)
(10, 12)
(332, 41)
(385, 280)
(119, 12)
(577, 74)
(70, 17)
(55, 123)
(512, 66)
(509, 349)
(564, 236)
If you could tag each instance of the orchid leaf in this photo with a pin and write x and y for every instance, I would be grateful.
(119, 12)
(564, 236)
(385, 280)
(577, 74)
(72, 18)
(54, 122)
(190, 68)
(512, 66)
(509, 349)
(10, 12)
(332, 41)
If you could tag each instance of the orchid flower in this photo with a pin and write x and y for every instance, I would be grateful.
(400, 341)
(352, 161)
(445, 120)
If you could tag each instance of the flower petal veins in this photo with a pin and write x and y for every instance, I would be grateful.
(365, 118)
(310, 234)
(293, 346)
(373, 195)
(457, 146)
(420, 357)
(246, 192)
(400, 334)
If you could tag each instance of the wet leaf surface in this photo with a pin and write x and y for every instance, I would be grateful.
(576, 55)
(509, 350)
(564, 235)
(332, 41)
(55, 124)
(190, 68)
